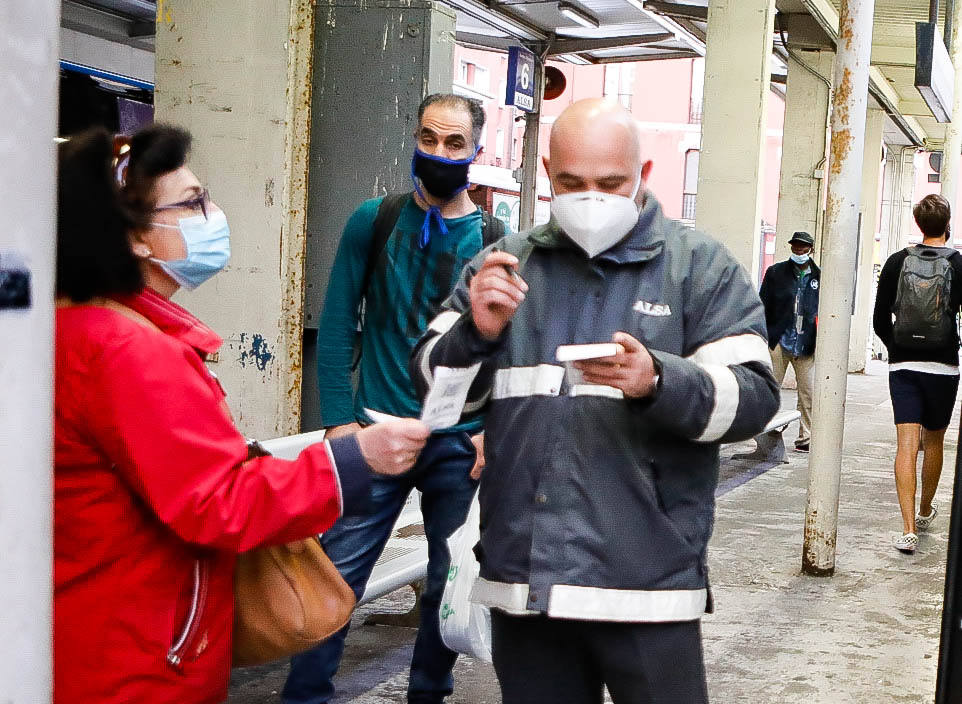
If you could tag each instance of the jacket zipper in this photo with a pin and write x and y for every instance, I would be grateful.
(191, 625)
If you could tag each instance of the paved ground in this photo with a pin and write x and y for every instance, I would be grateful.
(869, 634)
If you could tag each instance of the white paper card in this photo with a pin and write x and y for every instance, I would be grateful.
(445, 401)
(379, 417)
(570, 353)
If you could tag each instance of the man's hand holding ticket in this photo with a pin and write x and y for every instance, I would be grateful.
(624, 364)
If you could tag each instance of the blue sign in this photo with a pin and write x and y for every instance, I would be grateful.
(520, 91)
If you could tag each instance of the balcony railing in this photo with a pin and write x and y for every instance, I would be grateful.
(688, 206)
(694, 113)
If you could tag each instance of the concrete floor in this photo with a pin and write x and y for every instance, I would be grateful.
(869, 634)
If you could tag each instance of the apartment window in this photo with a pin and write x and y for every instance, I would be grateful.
(499, 145)
(474, 76)
(482, 79)
(690, 191)
(467, 72)
(697, 90)
(620, 83)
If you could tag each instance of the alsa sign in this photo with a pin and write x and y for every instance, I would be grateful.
(520, 84)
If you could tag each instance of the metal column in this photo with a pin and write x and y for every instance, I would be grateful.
(952, 151)
(28, 125)
(838, 271)
(529, 152)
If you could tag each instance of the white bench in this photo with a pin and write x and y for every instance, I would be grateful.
(405, 557)
(769, 445)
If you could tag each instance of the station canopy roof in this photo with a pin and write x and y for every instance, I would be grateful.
(606, 31)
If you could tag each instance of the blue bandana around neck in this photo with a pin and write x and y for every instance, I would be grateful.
(434, 211)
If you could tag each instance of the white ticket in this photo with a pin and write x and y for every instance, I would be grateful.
(571, 353)
(445, 401)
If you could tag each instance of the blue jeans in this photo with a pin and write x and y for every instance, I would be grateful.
(354, 543)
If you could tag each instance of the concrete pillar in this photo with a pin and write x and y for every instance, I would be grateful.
(237, 75)
(734, 125)
(28, 125)
(801, 187)
(868, 211)
(952, 151)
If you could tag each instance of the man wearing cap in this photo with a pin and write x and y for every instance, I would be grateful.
(790, 296)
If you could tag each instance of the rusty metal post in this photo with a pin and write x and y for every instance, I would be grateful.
(529, 152)
(839, 247)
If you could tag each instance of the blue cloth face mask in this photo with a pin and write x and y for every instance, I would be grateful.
(800, 259)
(444, 179)
(208, 249)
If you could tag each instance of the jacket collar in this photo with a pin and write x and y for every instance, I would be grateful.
(173, 320)
(643, 243)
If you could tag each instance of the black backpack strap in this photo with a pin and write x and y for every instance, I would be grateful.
(492, 229)
(387, 216)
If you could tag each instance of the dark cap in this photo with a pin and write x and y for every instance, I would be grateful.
(803, 238)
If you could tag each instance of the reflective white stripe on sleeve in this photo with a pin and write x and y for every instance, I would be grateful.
(516, 382)
(737, 349)
(426, 360)
(596, 390)
(445, 321)
(726, 402)
(596, 603)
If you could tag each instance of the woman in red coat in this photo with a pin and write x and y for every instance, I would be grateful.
(154, 495)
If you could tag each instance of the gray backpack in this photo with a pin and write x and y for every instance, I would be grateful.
(924, 319)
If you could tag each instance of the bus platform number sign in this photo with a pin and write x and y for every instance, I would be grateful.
(520, 83)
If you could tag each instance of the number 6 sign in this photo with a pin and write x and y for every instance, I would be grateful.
(520, 84)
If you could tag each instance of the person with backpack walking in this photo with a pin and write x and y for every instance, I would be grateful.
(918, 299)
(790, 295)
(401, 256)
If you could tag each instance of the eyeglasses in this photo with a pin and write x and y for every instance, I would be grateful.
(200, 202)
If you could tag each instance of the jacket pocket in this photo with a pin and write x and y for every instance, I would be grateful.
(189, 641)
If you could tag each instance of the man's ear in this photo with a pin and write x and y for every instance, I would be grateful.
(546, 162)
(478, 155)
(646, 173)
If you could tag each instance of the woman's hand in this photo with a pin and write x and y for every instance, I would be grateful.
(393, 447)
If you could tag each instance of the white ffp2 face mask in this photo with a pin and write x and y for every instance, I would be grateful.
(595, 221)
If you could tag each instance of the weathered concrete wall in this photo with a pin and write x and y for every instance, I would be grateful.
(236, 73)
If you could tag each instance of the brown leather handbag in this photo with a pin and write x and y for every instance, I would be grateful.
(287, 599)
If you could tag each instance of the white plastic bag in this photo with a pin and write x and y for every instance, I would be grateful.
(465, 626)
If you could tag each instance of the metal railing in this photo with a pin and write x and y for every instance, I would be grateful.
(688, 206)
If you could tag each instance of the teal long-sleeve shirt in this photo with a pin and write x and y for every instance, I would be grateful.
(405, 293)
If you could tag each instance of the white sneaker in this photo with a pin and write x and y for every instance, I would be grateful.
(907, 543)
(923, 522)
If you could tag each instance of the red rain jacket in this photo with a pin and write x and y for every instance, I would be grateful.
(152, 502)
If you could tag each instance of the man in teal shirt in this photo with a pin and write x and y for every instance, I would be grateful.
(438, 230)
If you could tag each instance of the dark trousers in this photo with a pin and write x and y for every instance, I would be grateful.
(354, 543)
(550, 661)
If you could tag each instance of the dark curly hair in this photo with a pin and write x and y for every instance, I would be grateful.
(154, 151)
(94, 256)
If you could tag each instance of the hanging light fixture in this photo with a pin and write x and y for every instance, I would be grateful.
(577, 14)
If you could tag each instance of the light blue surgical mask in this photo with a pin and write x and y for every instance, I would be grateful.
(800, 259)
(208, 249)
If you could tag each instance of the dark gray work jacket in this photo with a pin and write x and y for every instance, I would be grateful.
(595, 506)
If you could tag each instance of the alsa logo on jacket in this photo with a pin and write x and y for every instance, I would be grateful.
(657, 309)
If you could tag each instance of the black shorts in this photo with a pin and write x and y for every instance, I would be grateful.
(926, 399)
